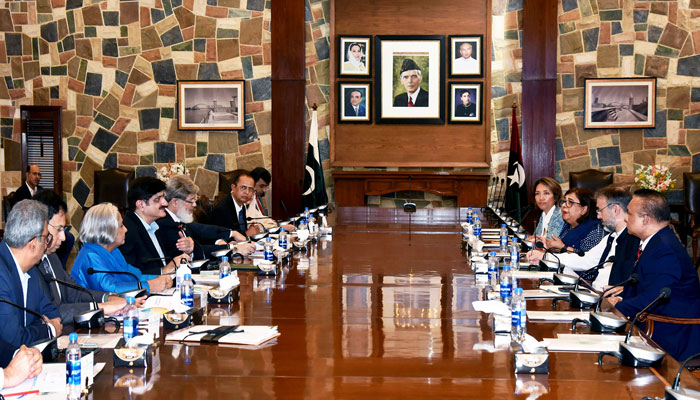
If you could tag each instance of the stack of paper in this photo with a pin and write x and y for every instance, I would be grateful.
(522, 274)
(251, 335)
(52, 380)
(106, 341)
(556, 316)
(585, 343)
(545, 292)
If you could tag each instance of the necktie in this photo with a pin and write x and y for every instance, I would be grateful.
(410, 101)
(260, 206)
(47, 268)
(356, 112)
(608, 246)
(242, 221)
(639, 252)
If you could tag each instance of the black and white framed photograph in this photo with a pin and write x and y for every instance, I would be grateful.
(466, 56)
(619, 103)
(354, 102)
(410, 79)
(354, 55)
(465, 103)
(210, 105)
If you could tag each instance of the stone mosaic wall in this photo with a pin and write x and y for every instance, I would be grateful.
(625, 38)
(113, 66)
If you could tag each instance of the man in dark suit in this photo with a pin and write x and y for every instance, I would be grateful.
(178, 233)
(262, 179)
(141, 248)
(68, 301)
(411, 77)
(230, 211)
(662, 262)
(24, 243)
(30, 186)
(353, 108)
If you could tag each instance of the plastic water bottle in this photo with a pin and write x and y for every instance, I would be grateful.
(284, 239)
(493, 269)
(224, 268)
(187, 291)
(506, 285)
(477, 228)
(73, 367)
(181, 271)
(269, 254)
(515, 251)
(518, 326)
(504, 238)
(470, 215)
(131, 320)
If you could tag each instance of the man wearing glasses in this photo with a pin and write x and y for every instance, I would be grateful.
(68, 301)
(25, 241)
(230, 212)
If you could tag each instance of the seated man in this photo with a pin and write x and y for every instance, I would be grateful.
(31, 185)
(69, 301)
(24, 243)
(178, 233)
(230, 211)
(141, 247)
(26, 364)
(256, 207)
(662, 262)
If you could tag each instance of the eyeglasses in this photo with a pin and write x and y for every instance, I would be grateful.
(245, 188)
(190, 202)
(49, 238)
(567, 203)
(60, 229)
(600, 210)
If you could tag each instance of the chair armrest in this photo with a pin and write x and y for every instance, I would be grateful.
(651, 318)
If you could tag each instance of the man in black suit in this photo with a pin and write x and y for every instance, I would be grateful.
(411, 77)
(178, 233)
(25, 240)
(69, 301)
(30, 186)
(230, 212)
(353, 108)
(141, 247)
(662, 261)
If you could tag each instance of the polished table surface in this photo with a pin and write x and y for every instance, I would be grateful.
(376, 311)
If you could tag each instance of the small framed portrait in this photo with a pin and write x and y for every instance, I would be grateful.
(354, 55)
(465, 103)
(619, 103)
(466, 56)
(210, 105)
(410, 79)
(354, 102)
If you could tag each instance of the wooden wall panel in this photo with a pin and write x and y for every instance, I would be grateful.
(411, 145)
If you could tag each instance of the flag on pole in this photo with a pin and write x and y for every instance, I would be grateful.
(314, 185)
(516, 190)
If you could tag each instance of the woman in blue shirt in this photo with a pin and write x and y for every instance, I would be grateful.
(102, 232)
(582, 229)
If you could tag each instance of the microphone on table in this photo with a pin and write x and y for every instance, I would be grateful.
(610, 259)
(639, 355)
(130, 293)
(284, 208)
(542, 264)
(606, 322)
(92, 318)
(183, 229)
(674, 391)
(586, 298)
(409, 207)
(47, 347)
(492, 191)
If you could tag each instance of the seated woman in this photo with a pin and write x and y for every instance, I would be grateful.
(582, 229)
(547, 196)
(102, 232)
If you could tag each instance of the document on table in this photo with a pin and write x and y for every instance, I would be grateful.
(521, 274)
(101, 341)
(206, 278)
(491, 307)
(52, 379)
(577, 343)
(252, 335)
(546, 292)
(556, 316)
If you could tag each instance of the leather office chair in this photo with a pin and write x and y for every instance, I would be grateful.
(7, 205)
(225, 182)
(112, 185)
(590, 179)
(691, 191)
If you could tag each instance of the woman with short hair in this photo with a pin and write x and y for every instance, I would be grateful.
(102, 232)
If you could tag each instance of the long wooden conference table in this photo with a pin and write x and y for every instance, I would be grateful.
(384, 309)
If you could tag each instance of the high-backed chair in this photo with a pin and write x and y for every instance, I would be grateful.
(7, 205)
(590, 179)
(225, 182)
(112, 185)
(691, 191)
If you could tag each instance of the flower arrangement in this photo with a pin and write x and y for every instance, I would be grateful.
(654, 177)
(171, 170)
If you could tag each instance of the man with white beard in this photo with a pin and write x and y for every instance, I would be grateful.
(178, 233)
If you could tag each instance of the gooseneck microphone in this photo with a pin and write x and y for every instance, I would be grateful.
(610, 259)
(605, 321)
(77, 287)
(493, 190)
(47, 347)
(284, 208)
(34, 313)
(677, 382)
(135, 293)
(408, 206)
(499, 199)
(91, 318)
(663, 294)
(540, 246)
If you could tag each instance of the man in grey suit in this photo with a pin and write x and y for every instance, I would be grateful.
(68, 301)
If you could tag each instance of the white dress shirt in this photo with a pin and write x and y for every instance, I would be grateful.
(31, 191)
(24, 279)
(151, 229)
(253, 211)
(466, 65)
(414, 96)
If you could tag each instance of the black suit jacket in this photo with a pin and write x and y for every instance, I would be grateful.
(625, 257)
(224, 214)
(13, 328)
(7, 350)
(138, 249)
(71, 301)
(203, 235)
(23, 193)
(421, 101)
